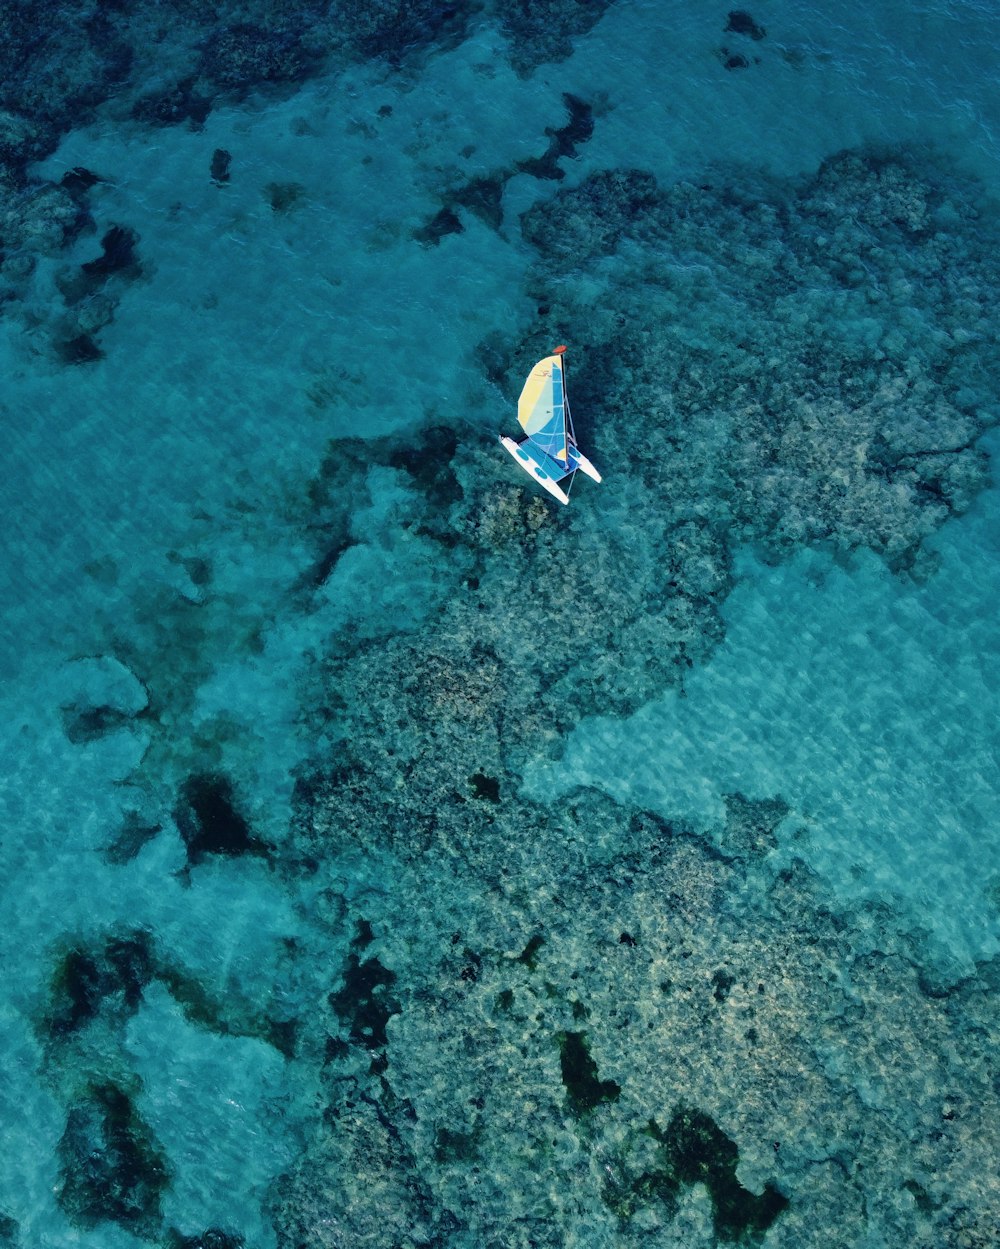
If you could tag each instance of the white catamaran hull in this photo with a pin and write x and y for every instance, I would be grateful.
(532, 469)
(585, 466)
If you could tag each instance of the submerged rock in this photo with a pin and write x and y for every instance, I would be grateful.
(740, 22)
(136, 831)
(118, 254)
(210, 821)
(213, 1238)
(39, 219)
(441, 224)
(219, 169)
(111, 1164)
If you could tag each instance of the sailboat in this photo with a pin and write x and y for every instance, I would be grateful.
(548, 452)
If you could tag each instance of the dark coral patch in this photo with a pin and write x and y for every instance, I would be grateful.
(924, 1202)
(485, 787)
(78, 180)
(364, 1002)
(213, 1238)
(83, 290)
(428, 457)
(584, 1089)
(78, 982)
(440, 225)
(428, 460)
(109, 977)
(225, 1014)
(321, 571)
(693, 1150)
(452, 1146)
(722, 982)
(563, 142)
(483, 196)
(118, 254)
(696, 1150)
(210, 821)
(111, 1164)
(179, 103)
(741, 23)
(529, 955)
(87, 724)
(80, 349)
(283, 196)
(219, 168)
(119, 969)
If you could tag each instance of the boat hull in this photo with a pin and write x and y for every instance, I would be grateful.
(533, 470)
(585, 466)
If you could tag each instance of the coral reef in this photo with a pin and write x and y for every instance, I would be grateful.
(847, 409)
(577, 1023)
(544, 31)
(394, 30)
(595, 1013)
(581, 1022)
(38, 220)
(239, 57)
(57, 66)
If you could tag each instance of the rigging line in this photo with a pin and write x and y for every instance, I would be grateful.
(566, 407)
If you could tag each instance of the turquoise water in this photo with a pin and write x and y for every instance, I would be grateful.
(390, 857)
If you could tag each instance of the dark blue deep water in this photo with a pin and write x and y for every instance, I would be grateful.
(390, 857)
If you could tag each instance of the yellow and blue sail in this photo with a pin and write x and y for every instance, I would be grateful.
(542, 413)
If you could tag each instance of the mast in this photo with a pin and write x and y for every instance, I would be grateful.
(568, 430)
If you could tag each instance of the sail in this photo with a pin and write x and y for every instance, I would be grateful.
(541, 409)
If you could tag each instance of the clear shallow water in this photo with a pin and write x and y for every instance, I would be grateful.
(166, 509)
